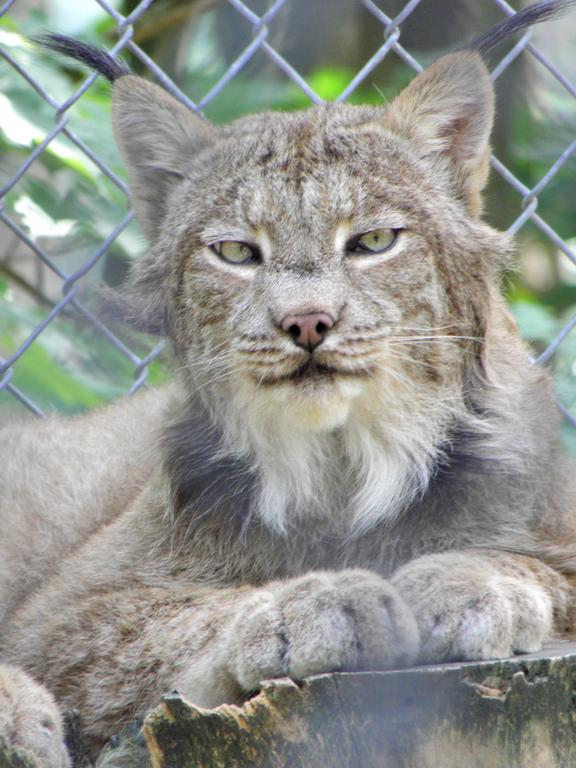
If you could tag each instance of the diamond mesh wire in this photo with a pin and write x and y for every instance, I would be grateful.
(69, 281)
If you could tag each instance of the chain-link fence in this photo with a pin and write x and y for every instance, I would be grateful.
(64, 300)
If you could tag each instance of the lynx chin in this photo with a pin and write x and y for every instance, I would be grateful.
(355, 467)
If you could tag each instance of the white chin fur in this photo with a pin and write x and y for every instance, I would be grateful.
(350, 450)
(318, 407)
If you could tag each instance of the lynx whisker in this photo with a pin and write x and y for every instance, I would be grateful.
(390, 334)
(435, 337)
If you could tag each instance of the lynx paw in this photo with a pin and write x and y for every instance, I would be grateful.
(30, 720)
(467, 609)
(321, 622)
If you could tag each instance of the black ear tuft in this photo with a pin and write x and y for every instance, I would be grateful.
(532, 14)
(95, 58)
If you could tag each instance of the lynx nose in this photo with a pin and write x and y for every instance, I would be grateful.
(308, 331)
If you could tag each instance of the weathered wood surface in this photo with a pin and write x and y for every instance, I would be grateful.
(514, 713)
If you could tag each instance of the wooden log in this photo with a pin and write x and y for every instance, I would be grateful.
(512, 713)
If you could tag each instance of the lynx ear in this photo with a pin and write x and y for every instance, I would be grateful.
(448, 110)
(157, 137)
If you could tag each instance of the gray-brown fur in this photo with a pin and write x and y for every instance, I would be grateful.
(399, 493)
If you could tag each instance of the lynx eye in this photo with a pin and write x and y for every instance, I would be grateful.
(375, 241)
(236, 252)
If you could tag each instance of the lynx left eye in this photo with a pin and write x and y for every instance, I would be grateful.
(236, 252)
(375, 241)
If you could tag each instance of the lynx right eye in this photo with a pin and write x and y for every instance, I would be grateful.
(375, 241)
(236, 252)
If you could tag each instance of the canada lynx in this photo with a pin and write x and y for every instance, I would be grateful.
(357, 467)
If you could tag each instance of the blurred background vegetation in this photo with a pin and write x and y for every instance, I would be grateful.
(66, 206)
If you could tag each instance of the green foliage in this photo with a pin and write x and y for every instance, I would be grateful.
(64, 193)
(70, 366)
(534, 148)
(68, 207)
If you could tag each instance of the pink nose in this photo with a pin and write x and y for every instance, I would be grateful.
(308, 331)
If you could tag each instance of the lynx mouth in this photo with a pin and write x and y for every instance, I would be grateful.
(314, 371)
(311, 369)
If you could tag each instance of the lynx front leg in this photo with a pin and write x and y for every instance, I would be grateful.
(482, 604)
(30, 720)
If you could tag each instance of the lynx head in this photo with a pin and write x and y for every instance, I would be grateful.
(302, 261)
(324, 278)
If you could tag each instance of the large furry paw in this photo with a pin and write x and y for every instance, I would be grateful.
(466, 608)
(320, 622)
(30, 720)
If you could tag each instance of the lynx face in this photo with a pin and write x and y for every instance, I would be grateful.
(322, 257)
